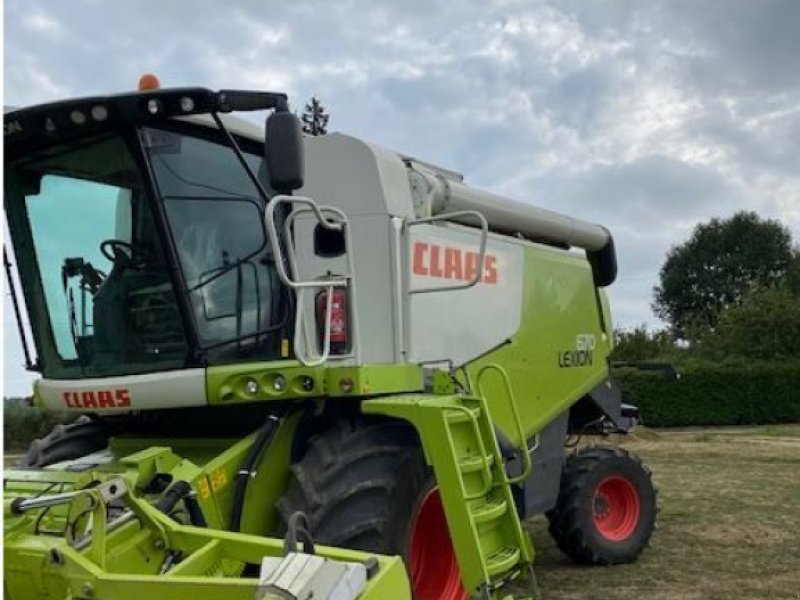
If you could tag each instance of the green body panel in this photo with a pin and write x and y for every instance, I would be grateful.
(559, 303)
(290, 380)
(228, 384)
(272, 475)
(371, 380)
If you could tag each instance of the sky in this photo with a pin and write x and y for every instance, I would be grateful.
(647, 117)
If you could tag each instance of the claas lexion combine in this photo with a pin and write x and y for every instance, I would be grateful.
(306, 367)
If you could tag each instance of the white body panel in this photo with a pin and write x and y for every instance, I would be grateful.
(463, 324)
(108, 395)
(371, 185)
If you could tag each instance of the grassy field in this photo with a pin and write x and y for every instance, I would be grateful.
(728, 527)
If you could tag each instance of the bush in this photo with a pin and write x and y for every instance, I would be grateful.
(733, 393)
(23, 423)
(765, 326)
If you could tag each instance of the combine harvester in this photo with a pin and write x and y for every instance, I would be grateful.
(307, 367)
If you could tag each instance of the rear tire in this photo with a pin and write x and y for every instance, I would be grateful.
(66, 442)
(366, 486)
(606, 509)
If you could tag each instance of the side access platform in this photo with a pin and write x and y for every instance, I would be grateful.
(460, 445)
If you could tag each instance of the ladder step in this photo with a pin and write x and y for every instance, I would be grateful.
(502, 560)
(495, 507)
(459, 416)
(474, 463)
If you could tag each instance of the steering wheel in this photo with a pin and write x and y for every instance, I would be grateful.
(122, 254)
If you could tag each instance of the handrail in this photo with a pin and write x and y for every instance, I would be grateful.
(272, 233)
(481, 253)
(337, 224)
(526, 451)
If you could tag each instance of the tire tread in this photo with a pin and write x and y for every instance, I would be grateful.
(66, 442)
(354, 480)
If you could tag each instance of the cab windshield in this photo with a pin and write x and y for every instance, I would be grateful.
(104, 266)
(101, 299)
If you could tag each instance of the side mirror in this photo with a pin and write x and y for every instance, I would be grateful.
(284, 152)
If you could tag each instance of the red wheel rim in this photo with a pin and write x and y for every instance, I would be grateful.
(616, 508)
(434, 569)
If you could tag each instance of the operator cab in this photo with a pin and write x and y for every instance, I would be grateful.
(140, 237)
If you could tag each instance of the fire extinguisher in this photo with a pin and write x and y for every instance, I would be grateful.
(338, 319)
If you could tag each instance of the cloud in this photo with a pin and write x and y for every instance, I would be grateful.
(38, 21)
(644, 116)
(657, 188)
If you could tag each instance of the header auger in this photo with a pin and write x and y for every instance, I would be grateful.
(305, 365)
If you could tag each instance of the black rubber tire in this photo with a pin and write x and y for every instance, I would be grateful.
(67, 442)
(572, 520)
(359, 484)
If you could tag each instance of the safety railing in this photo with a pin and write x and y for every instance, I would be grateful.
(526, 451)
(451, 216)
(330, 218)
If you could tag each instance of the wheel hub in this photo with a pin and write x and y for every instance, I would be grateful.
(616, 508)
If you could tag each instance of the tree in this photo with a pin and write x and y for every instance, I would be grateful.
(766, 325)
(315, 119)
(641, 344)
(718, 266)
(793, 274)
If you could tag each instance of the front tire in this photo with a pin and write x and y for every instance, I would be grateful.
(606, 509)
(366, 486)
(67, 442)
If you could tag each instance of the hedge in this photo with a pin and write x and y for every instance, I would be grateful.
(713, 394)
(23, 423)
